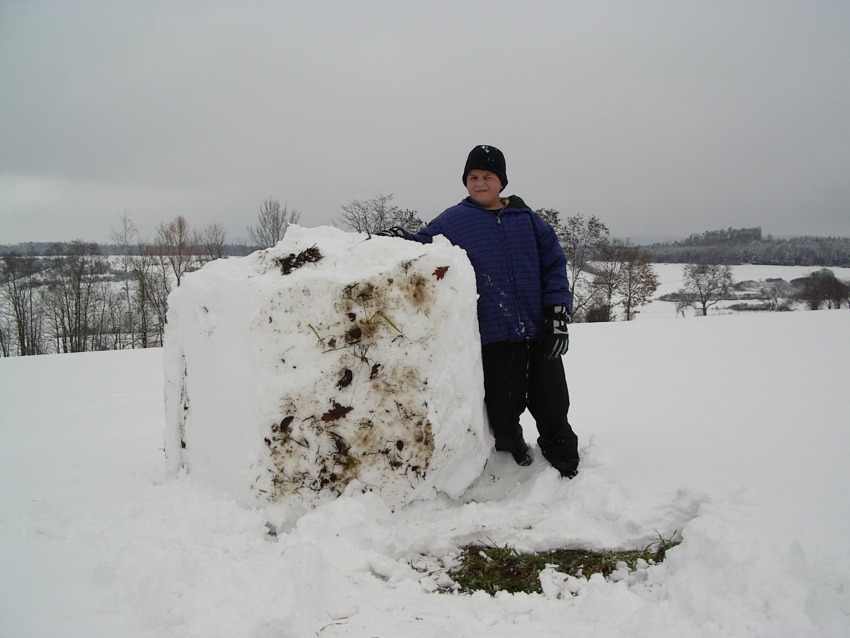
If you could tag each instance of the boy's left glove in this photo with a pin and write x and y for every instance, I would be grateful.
(556, 337)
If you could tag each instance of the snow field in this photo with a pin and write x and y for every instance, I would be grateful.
(729, 431)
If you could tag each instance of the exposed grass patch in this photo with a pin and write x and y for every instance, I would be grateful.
(494, 569)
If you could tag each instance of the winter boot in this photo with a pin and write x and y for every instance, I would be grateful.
(561, 454)
(521, 454)
(568, 468)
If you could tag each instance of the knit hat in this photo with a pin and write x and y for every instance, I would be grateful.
(486, 158)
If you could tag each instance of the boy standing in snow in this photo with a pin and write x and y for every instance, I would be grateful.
(524, 307)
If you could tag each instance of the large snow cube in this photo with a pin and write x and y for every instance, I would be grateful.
(329, 359)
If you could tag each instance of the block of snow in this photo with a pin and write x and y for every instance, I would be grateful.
(329, 360)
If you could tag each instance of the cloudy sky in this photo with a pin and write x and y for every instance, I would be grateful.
(659, 117)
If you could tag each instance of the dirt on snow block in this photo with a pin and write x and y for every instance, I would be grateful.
(332, 361)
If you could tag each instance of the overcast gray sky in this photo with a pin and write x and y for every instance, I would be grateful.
(661, 118)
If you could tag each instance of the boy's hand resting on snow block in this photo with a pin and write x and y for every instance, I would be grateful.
(395, 231)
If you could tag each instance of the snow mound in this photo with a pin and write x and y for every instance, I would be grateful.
(330, 362)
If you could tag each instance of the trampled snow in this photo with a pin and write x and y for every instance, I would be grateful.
(729, 432)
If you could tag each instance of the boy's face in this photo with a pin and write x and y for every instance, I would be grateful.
(484, 188)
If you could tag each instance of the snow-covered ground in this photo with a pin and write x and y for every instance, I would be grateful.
(728, 431)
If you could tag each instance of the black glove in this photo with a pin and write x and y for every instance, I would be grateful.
(556, 337)
(395, 231)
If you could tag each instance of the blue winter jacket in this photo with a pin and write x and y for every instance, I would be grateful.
(520, 267)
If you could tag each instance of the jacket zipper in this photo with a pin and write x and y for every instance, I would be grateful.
(520, 327)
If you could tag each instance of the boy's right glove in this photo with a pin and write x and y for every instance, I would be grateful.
(556, 337)
(395, 231)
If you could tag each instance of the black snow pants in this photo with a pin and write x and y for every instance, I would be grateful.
(519, 376)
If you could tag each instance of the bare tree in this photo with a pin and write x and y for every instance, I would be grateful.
(609, 270)
(371, 215)
(582, 238)
(177, 247)
(553, 218)
(705, 286)
(778, 294)
(5, 345)
(823, 287)
(160, 266)
(624, 276)
(127, 239)
(410, 220)
(639, 282)
(19, 277)
(148, 277)
(153, 285)
(684, 301)
(74, 294)
(272, 222)
(213, 242)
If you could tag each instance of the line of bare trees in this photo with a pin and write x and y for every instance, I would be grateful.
(63, 302)
(75, 299)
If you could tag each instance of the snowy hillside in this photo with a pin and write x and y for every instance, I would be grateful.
(671, 279)
(729, 431)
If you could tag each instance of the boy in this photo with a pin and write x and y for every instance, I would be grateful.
(524, 304)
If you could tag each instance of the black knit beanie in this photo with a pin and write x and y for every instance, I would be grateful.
(486, 158)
